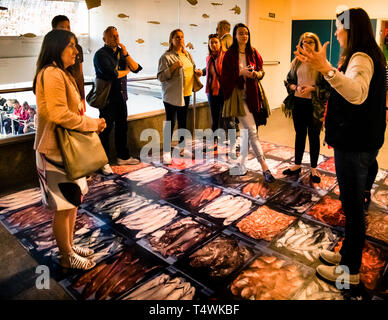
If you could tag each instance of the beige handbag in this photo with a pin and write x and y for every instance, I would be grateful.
(82, 152)
(197, 83)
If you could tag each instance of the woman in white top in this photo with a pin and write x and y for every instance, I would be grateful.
(355, 126)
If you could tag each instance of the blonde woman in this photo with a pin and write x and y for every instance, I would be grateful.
(176, 74)
(308, 93)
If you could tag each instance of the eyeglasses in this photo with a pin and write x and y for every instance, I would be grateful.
(308, 42)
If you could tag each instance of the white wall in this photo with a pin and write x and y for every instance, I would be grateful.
(272, 38)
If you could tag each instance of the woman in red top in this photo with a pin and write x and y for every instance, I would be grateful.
(242, 66)
(213, 77)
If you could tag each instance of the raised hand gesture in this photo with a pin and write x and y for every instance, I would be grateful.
(316, 59)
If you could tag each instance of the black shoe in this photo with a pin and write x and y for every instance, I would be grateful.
(315, 179)
(367, 200)
(289, 172)
(268, 176)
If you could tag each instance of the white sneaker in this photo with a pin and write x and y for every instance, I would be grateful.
(106, 170)
(130, 161)
(167, 158)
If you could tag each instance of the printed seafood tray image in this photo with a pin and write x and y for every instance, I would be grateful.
(386, 182)
(328, 165)
(209, 169)
(218, 260)
(19, 200)
(112, 277)
(167, 186)
(295, 199)
(195, 196)
(183, 163)
(170, 284)
(262, 190)
(227, 208)
(281, 152)
(267, 146)
(328, 210)
(228, 180)
(118, 205)
(380, 197)
(327, 181)
(103, 241)
(306, 158)
(270, 277)
(264, 223)
(318, 289)
(377, 225)
(27, 218)
(177, 238)
(381, 174)
(374, 260)
(146, 175)
(128, 168)
(305, 240)
(277, 172)
(254, 164)
(147, 219)
(42, 238)
(102, 190)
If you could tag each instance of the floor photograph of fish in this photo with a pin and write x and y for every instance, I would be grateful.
(328, 210)
(328, 181)
(328, 165)
(320, 290)
(254, 164)
(264, 223)
(18, 200)
(284, 153)
(262, 190)
(128, 168)
(380, 197)
(277, 172)
(102, 190)
(228, 180)
(306, 159)
(146, 175)
(209, 169)
(111, 278)
(377, 224)
(305, 241)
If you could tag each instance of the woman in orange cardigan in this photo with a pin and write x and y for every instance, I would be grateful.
(59, 103)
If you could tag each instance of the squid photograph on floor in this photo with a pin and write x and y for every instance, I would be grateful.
(166, 159)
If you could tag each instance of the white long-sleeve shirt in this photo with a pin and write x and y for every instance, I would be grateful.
(353, 85)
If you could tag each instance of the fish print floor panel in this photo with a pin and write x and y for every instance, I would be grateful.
(381, 175)
(169, 185)
(261, 191)
(270, 277)
(19, 200)
(209, 169)
(42, 238)
(373, 263)
(267, 146)
(304, 240)
(196, 196)
(123, 169)
(328, 182)
(147, 219)
(295, 199)
(277, 172)
(113, 277)
(264, 224)
(145, 175)
(306, 159)
(320, 290)
(116, 206)
(227, 180)
(328, 165)
(380, 197)
(170, 284)
(226, 209)
(219, 260)
(254, 164)
(26, 218)
(103, 189)
(103, 241)
(179, 164)
(329, 211)
(377, 225)
(178, 238)
(283, 153)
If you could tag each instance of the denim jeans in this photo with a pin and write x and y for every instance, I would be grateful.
(352, 174)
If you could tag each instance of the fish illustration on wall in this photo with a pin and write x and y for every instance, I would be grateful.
(164, 44)
(140, 40)
(190, 46)
(192, 2)
(122, 15)
(153, 22)
(236, 9)
(205, 16)
(216, 4)
(193, 25)
(28, 35)
(3, 8)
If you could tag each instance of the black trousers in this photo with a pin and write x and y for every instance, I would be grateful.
(174, 112)
(302, 115)
(216, 103)
(115, 115)
(352, 173)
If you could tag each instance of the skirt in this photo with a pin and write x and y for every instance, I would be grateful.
(58, 192)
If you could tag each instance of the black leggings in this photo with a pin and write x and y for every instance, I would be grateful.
(216, 103)
(372, 173)
(302, 115)
(172, 112)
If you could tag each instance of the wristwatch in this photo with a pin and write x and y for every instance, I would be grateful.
(331, 74)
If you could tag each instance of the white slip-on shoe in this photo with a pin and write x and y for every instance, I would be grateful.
(330, 256)
(332, 273)
(106, 170)
(129, 161)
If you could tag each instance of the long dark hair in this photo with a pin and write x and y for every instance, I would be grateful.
(360, 38)
(234, 46)
(213, 36)
(53, 45)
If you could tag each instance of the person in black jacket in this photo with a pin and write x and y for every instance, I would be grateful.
(355, 126)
